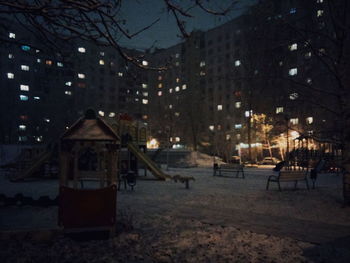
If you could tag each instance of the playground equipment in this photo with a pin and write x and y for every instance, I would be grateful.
(88, 152)
(34, 161)
(133, 136)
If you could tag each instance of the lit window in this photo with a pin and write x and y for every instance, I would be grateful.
(59, 64)
(101, 113)
(202, 64)
(177, 114)
(144, 63)
(219, 107)
(24, 87)
(238, 136)
(280, 63)
(309, 81)
(37, 51)
(160, 93)
(144, 101)
(201, 73)
(211, 127)
(228, 137)
(22, 138)
(81, 75)
(308, 55)
(294, 121)
(101, 62)
(170, 90)
(321, 51)
(293, 10)
(23, 117)
(144, 86)
(160, 78)
(309, 120)
(293, 72)
(102, 53)
(11, 56)
(160, 85)
(177, 88)
(48, 62)
(25, 67)
(238, 104)
(248, 113)
(10, 75)
(111, 114)
(38, 60)
(81, 49)
(177, 80)
(69, 83)
(145, 94)
(25, 48)
(238, 126)
(36, 98)
(293, 96)
(293, 47)
(279, 110)
(170, 106)
(39, 138)
(68, 92)
(184, 86)
(319, 13)
(319, 1)
(120, 74)
(136, 99)
(22, 127)
(237, 63)
(23, 97)
(12, 35)
(177, 55)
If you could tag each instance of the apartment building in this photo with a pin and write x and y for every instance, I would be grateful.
(264, 66)
(43, 90)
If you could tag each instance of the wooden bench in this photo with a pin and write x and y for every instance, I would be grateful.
(183, 179)
(219, 170)
(288, 176)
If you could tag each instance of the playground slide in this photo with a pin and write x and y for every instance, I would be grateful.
(157, 172)
(34, 167)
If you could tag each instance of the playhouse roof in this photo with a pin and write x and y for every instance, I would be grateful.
(90, 128)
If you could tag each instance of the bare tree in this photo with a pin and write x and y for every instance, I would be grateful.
(99, 21)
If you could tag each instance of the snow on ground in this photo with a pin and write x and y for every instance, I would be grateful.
(219, 219)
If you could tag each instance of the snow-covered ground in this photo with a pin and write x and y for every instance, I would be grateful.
(218, 219)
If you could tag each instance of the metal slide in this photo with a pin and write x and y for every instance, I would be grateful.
(157, 172)
(41, 159)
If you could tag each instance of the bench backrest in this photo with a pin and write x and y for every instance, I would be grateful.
(292, 175)
(231, 166)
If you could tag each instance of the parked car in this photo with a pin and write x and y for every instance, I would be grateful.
(270, 160)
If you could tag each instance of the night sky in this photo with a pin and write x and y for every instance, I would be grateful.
(165, 33)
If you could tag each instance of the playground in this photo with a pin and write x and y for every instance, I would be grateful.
(202, 213)
(217, 219)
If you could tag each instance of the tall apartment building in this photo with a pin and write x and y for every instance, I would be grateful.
(44, 91)
(264, 66)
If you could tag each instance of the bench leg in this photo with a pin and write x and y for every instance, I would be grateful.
(279, 186)
(267, 185)
(243, 176)
(295, 184)
(307, 184)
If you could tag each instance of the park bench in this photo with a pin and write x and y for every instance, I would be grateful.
(219, 170)
(183, 179)
(288, 176)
